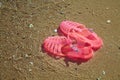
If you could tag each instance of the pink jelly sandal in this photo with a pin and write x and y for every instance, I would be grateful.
(76, 53)
(53, 45)
(78, 49)
(79, 30)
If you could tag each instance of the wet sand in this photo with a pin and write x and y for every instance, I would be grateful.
(25, 24)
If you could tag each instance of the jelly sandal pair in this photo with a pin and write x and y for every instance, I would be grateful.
(75, 42)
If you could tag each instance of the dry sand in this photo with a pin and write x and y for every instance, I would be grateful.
(24, 24)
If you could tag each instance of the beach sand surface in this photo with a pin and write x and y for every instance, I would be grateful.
(24, 24)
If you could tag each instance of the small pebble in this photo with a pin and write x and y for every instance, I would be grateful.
(103, 72)
(31, 25)
(55, 30)
(99, 78)
(108, 21)
(30, 69)
(13, 56)
(61, 12)
(31, 63)
(26, 55)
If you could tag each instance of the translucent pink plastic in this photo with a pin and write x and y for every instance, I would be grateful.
(54, 44)
(80, 32)
(77, 53)
(75, 42)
